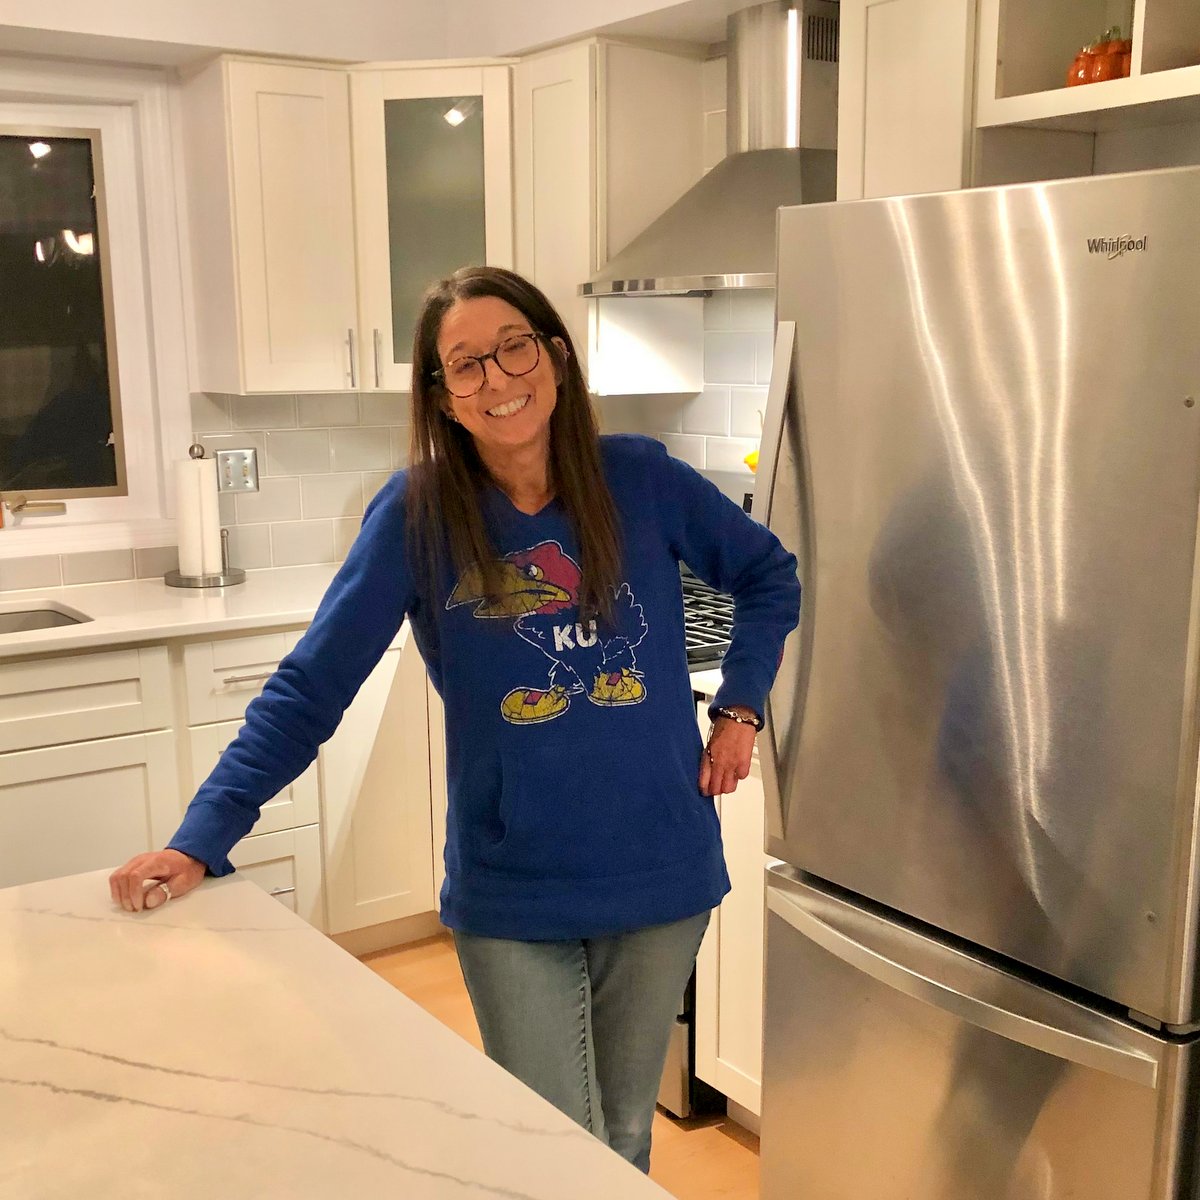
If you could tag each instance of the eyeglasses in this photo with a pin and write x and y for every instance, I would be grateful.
(515, 356)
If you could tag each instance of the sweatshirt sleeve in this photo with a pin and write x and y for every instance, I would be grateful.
(735, 554)
(303, 702)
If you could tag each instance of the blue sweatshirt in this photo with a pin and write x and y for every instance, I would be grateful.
(572, 749)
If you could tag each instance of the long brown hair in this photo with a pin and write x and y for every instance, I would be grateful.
(447, 476)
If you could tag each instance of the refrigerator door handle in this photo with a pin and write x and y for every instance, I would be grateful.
(866, 949)
(764, 494)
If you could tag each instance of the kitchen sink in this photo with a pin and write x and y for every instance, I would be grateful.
(21, 618)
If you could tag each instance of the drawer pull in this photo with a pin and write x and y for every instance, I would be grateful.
(281, 891)
(260, 678)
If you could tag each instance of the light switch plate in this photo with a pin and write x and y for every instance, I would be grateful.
(237, 470)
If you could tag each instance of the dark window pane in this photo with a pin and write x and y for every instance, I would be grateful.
(56, 406)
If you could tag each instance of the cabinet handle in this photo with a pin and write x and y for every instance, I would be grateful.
(353, 359)
(281, 891)
(375, 339)
(261, 678)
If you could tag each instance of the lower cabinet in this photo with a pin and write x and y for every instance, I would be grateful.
(287, 865)
(86, 806)
(729, 968)
(349, 844)
(376, 822)
(298, 804)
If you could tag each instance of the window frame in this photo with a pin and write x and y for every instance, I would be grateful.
(132, 110)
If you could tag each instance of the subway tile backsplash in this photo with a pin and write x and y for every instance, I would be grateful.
(322, 458)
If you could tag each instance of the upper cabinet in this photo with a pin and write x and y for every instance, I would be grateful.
(605, 137)
(308, 271)
(906, 81)
(943, 94)
(271, 216)
(433, 192)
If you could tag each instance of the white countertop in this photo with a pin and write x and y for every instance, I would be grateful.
(221, 1047)
(146, 610)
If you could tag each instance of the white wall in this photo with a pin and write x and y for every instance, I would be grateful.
(353, 30)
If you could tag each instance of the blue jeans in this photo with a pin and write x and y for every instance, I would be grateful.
(586, 1023)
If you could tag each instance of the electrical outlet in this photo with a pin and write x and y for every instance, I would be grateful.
(237, 470)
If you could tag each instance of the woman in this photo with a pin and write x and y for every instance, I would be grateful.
(538, 564)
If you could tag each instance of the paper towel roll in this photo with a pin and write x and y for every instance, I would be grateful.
(196, 515)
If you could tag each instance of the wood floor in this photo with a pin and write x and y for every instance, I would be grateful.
(710, 1158)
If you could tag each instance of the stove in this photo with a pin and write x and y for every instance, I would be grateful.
(707, 621)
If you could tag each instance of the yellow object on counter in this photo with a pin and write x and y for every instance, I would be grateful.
(751, 460)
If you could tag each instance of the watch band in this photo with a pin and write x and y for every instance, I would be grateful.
(730, 715)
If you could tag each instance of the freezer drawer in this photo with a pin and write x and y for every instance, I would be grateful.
(899, 1068)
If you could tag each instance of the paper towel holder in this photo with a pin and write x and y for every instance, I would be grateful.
(228, 575)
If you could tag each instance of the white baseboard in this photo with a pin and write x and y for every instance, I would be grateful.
(390, 933)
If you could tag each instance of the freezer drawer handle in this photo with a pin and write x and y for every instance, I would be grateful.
(764, 492)
(1061, 1043)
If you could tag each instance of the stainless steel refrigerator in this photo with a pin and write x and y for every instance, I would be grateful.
(983, 441)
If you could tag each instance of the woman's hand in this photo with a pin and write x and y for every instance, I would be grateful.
(726, 758)
(179, 871)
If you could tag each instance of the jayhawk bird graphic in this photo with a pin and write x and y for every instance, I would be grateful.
(539, 587)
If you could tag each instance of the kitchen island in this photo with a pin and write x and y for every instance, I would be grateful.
(219, 1046)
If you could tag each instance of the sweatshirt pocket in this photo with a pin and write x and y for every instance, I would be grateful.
(594, 809)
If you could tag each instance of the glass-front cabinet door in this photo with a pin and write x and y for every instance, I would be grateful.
(433, 192)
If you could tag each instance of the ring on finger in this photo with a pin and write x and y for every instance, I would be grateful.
(165, 890)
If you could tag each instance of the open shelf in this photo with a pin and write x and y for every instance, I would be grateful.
(1027, 46)
(1037, 40)
(1168, 97)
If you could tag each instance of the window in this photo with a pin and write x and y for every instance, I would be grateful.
(59, 394)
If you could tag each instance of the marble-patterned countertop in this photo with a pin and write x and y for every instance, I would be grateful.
(146, 610)
(219, 1046)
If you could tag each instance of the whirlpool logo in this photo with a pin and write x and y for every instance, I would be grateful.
(1116, 247)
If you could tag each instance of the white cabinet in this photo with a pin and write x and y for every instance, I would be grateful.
(309, 260)
(554, 177)
(433, 192)
(87, 806)
(296, 805)
(222, 677)
(605, 137)
(375, 798)
(272, 226)
(286, 864)
(78, 697)
(905, 96)
(282, 853)
(729, 967)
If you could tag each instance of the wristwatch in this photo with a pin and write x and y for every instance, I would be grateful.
(741, 718)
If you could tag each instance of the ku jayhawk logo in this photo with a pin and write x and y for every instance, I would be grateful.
(539, 587)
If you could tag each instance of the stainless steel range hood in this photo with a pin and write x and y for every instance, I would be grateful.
(781, 138)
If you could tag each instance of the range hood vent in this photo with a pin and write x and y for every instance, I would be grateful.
(781, 138)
